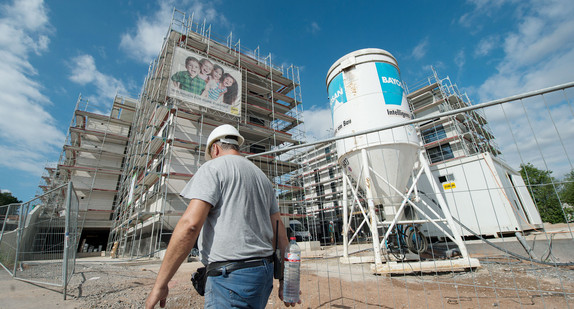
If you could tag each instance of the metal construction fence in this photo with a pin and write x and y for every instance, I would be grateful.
(39, 238)
(490, 224)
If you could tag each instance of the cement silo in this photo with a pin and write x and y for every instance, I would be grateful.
(366, 92)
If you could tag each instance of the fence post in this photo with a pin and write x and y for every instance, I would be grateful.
(4, 222)
(66, 239)
(18, 239)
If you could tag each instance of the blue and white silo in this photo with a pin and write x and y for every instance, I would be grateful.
(366, 92)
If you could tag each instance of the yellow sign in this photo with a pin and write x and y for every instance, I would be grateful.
(447, 186)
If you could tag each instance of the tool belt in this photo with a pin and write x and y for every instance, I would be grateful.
(199, 278)
(219, 268)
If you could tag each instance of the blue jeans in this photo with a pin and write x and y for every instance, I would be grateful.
(243, 288)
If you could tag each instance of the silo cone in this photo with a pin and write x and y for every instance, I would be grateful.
(366, 92)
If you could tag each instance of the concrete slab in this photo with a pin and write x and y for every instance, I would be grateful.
(357, 259)
(309, 245)
(430, 266)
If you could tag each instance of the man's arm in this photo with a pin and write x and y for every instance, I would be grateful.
(182, 240)
(279, 235)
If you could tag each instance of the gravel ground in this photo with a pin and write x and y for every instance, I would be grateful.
(500, 282)
(328, 284)
(126, 285)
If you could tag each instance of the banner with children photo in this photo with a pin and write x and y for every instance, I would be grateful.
(198, 80)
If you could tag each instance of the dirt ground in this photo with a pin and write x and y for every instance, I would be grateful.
(500, 282)
(326, 283)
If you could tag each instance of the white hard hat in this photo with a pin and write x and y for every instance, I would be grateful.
(221, 134)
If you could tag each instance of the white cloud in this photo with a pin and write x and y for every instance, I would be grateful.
(84, 72)
(28, 133)
(318, 123)
(538, 53)
(486, 45)
(460, 59)
(144, 42)
(29, 14)
(507, 82)
(483, 10)
(315, 27)
(528, 131)
(24, 159)
(421, 49)
(204, 10)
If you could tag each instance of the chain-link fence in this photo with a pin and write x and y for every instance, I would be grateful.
(39, 238)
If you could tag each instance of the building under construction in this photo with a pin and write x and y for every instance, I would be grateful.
(93, 159)
(171, 124)
(128, 167)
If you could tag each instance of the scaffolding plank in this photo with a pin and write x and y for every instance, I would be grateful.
(108, 136)
(422, 90)
(102, 118)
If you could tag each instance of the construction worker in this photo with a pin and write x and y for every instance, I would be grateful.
(234, 202)
(332, 232)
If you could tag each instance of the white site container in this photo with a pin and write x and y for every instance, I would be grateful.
(366, 92)
(483, 193)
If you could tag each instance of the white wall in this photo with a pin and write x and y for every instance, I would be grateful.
(479, 196)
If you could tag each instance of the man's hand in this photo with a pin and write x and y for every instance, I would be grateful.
(157, 295)
(180, 244)
(281, 296)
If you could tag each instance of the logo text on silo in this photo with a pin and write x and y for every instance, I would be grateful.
(391, 80)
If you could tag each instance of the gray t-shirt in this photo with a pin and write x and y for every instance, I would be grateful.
(243, 199)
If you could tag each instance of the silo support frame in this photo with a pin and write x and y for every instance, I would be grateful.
(347, 216)
(356, 201)
(446, 211)
(371, 205)
(424, 167)
(464, 262)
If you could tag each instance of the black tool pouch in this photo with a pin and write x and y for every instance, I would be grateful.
(277, 263)
(277, 258)
(198, 280)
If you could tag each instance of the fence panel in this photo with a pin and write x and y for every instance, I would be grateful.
(8, 235)
(488, 223)
(40, 238)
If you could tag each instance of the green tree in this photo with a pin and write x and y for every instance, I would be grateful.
(544, 191)
(5, 199)
(567, 195)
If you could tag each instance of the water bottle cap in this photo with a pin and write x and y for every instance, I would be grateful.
(292, 238)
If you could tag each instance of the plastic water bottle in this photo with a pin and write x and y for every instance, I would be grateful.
(292, 266)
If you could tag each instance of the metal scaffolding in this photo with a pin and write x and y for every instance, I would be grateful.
(455, 136)
(168, 134)
(92, 158)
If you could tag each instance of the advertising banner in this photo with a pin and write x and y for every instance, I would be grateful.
(198, 80)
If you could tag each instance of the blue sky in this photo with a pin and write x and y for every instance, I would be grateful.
(54, 51)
